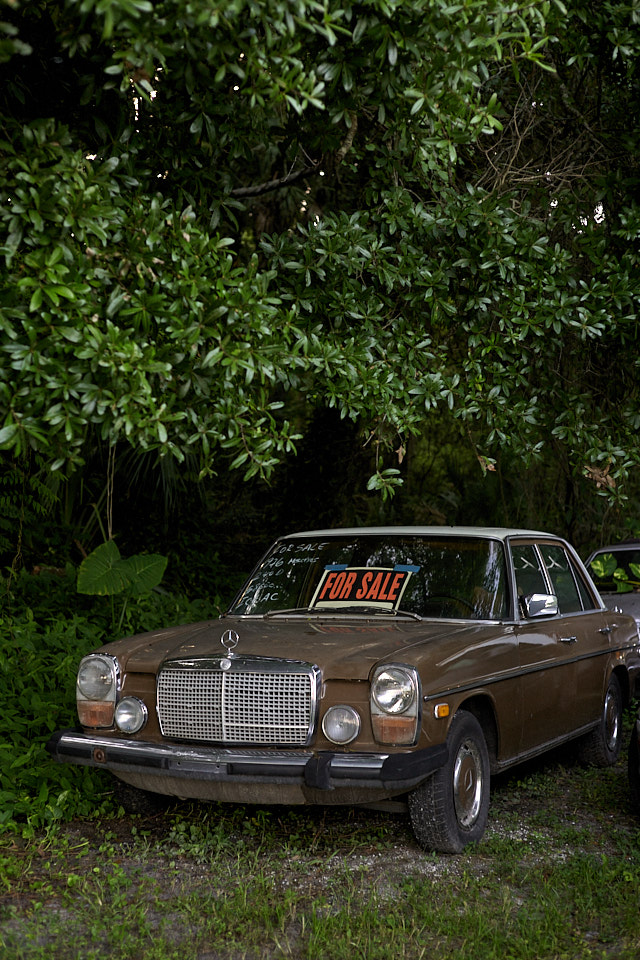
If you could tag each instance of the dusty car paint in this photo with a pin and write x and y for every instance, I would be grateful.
(489, 691)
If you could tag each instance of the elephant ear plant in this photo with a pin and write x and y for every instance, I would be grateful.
(607, 568)
(106, 573)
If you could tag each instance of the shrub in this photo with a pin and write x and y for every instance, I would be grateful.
(37, 670)
(41, 643)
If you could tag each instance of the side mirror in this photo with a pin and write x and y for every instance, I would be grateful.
(540, 605)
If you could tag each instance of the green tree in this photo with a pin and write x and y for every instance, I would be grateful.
(396, 208)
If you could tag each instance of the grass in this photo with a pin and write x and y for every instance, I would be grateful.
(557, 876)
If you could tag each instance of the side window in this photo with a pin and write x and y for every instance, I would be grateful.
(588, 602)
(562, 578)
(529, 576)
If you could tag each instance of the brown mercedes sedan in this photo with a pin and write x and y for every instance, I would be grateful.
(368, 665)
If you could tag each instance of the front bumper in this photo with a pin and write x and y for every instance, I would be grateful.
(323, 771)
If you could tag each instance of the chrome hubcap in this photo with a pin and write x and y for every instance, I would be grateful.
(467, 784)
(611, 721)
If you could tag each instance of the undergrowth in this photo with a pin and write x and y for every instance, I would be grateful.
(45, 629)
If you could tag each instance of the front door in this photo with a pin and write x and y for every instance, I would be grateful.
(547, 661)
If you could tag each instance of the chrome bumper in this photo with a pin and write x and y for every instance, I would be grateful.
(322, 770)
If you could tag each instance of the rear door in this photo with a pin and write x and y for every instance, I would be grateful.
(583, 629)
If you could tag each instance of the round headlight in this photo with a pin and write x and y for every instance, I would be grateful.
(97, 678)
(393, 690)
(130, 715)
(341, 724)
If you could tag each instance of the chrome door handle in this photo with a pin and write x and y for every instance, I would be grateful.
(605, 630)
(568, 639)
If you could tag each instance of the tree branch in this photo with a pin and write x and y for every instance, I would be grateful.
(257, 189)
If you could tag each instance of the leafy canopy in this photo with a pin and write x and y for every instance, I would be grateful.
(390, 208)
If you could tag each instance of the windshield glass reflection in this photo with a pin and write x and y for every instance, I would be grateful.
(448, 577)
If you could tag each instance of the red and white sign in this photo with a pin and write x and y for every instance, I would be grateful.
(361, 586)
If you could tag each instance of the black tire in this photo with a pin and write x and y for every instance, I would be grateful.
(601, 747)
(450, 809)
(634, 769)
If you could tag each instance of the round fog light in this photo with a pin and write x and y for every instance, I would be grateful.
(131, 715)
(341, 724)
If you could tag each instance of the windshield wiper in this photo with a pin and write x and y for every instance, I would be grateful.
(407, 613)
(375, 611)
(338, 611)
(286, 612)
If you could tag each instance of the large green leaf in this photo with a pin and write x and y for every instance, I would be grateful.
(144, 572)
(604, 566)
(105, 573)
(102, 571)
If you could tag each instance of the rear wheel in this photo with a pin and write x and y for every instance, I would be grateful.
(601, 747)
(450, 809)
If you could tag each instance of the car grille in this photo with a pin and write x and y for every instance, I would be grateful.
(256, 701)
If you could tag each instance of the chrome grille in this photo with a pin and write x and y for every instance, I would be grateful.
(257, 701)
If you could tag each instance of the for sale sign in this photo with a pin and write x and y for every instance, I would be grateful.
(343, 586)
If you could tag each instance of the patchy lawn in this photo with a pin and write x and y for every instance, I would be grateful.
(557, 875)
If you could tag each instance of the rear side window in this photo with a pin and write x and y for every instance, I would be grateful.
(566, 582)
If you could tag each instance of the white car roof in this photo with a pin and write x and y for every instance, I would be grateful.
(494, 533)
(629, 545)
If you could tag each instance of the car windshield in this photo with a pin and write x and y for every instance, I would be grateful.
(616, 571)
(450, 577)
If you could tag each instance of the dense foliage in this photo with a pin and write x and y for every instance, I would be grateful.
(45, 629)
(217, 217)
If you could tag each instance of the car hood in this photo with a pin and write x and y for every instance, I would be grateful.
(341, 648)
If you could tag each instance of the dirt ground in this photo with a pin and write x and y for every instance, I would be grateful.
(547, 811)
(548, 805)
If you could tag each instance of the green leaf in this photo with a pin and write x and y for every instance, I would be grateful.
(36, 299)
(603, 567)
(623, 586)
(101, 573)
(144, 572)
(7, 434)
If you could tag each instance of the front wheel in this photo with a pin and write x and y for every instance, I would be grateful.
(450, 809)
(601, 747)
